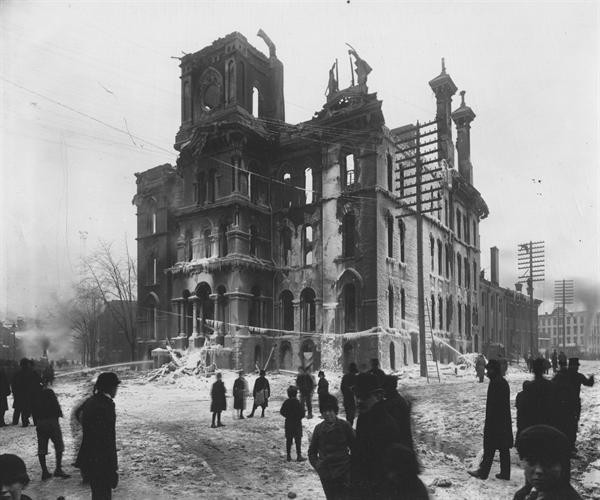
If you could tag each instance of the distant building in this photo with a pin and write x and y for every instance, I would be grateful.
(294, 244)
(506, 317)
(577, 333)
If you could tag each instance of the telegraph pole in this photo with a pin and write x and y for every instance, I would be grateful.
(563, 292)
(530, 263)
(414, 157)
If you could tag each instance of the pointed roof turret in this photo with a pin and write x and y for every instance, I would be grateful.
(443, 81)
(464, 114)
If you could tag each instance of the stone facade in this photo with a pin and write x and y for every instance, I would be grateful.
(295, 244)
(581, 332)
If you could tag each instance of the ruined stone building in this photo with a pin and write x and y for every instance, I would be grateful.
(294, 244)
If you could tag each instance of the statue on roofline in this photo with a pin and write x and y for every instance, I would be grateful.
(362, 69)
(332, 85)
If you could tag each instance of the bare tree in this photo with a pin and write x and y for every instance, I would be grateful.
(83, 312)
(115, 279)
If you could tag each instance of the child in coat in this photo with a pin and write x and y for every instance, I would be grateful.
(293, 412)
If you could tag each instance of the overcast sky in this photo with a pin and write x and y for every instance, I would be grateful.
(531, 72)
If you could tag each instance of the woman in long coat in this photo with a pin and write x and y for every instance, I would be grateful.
(218, 401)
(240, 391)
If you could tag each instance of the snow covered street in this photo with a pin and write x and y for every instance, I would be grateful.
(168, 450)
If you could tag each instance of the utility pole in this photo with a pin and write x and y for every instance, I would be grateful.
(415, 157)
(564, 292)
(531, 266)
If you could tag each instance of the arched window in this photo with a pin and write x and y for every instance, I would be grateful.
(390, 173)
(390, 236)
(349, 295)
(466, 228)
(392, 356)
(475, 278)
(432, 251)
(189, 247)
(308, 186)
(241, 78)
(467, 321)
(448, 261)
(222, 309)
(348, 223)
(287, 310)
(467, 274)
(223, 250)
(458, 232)
(257, 355)
(253, 239)
(153, 222)
(446, 212)
(391, 306)
(402, 231)
(432, 317)
(440, 257)
(210, 186)
(474, 235)
(230, 82)
(308, 310)
(207, 244)
(286, 246)
(153, 318)
(459, 313)
(254, 315)
(255, 102)
(448, 313)
(186, 105)
(307, 245)
(402, 304)
(440, 312)
(459, 269)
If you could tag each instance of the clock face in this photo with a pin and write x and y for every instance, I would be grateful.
(210, 98)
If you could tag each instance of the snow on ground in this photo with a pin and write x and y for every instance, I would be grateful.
(168, 450)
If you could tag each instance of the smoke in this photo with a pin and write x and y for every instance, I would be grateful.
(587, 294)
(53, 339)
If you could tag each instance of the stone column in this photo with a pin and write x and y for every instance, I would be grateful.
(195, 318)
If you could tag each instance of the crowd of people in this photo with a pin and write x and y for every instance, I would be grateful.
(374, 459)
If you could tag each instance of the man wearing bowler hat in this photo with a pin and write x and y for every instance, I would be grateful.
(97, 457)
(576, 380)
(497, 430)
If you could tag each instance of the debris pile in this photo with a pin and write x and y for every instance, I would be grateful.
(189, 362)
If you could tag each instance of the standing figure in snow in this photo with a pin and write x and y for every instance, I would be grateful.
(261, 393)
(240, 391)
(377, 371)
(293, 412)
(480, 367)
(329, 451)
(554, 360)
(25, 384)
(545, 452)
(218, 401)
(46, 412)
(97, 457)
(348, 381)
(497, 430)
(322, 390)
(306, 386)
(399, 409)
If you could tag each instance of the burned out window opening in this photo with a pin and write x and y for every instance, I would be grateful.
(402, 304)
(432, 251)
(448, 260)
(207, 244)
(186, 105)
(390, 173)
(230, 88)
(440, 312)
(402, 232)
(467, 274)
(211, 186)
(222, 308)
(440, 257)
(189, 246)
(308, 310)
(307, 244)
(448, 313)
(390, 306)
(459, 314)
(287, 310)
(348, 229)
(474, 275)
(255, 102)
(350, 312)
(153, 222)
(459, 269)
(390, 236)
(308, 185)
(349, 171)
(458, 224)
(466, 229)
(200, 189)
(286, 246)
(253, 241)
(223, 250)
(254, 315)
(432, 312)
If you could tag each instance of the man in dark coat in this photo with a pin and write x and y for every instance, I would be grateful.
(4, 392)
(240, 391)
(566, 403)
(322, 389)
(536, 403)
(545, 451)
(218, 401)
(376, 432)
(25, 384)
(399, 409)
(97, 457)
(480, 367)
(377, 371)
(554, 360)
(576, 380)
(261, 393)
(497, 430)
(348, 381)
(306, 387)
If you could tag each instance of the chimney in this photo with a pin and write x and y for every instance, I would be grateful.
(443, 87)
(519, 287)
(463, 117)
(494, 265)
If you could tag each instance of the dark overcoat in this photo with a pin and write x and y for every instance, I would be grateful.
(536, 404)
(97, 457)
(497, 430)
(293, 412)
(261, 384)
(25, 384)
(240, 391)
(346, 386)
(4, 390)
(399, 409)
(218, 401)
